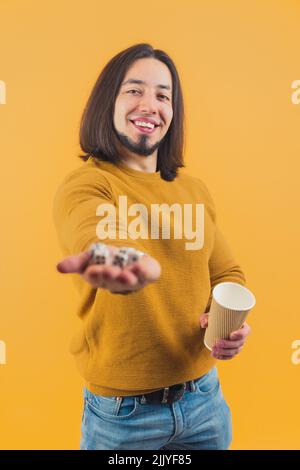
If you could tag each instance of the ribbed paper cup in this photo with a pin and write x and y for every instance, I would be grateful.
(231, 303)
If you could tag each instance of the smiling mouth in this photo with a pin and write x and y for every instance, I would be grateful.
(145, 130)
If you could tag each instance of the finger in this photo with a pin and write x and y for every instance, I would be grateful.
(95, 279)
(74, 263)
(242, 333)
(138, 271)
(110, 277)
(226, 352)
(204, 320)
(110, 273)
(101, 276)
(223, 356)
(101, 269)
(225, 344)
(127, 278)
(122, 282)
(147, 267)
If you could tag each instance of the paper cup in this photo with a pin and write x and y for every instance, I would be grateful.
(231, 303)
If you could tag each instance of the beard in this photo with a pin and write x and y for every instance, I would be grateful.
(141, 147)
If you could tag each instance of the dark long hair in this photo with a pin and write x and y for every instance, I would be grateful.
(97, 137)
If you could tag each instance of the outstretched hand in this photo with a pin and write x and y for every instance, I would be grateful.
(114, 278)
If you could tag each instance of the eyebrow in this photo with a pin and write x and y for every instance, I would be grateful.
(141, 82)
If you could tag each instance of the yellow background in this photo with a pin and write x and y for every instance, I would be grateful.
(237, 61)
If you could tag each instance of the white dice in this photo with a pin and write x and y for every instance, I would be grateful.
(100, 253)
(127, 256)
(124, 257)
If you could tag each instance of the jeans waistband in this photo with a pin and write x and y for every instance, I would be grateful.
(167, 394)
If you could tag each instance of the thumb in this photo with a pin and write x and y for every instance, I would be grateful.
(204, 320)
(147, 269)
(74, 263)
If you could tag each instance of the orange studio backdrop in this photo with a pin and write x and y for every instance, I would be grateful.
(240, 73)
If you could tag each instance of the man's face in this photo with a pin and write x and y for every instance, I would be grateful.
(150, 101)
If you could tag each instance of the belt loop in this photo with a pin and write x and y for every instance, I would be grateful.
(118, 404)
(193, 386)
(166, 393)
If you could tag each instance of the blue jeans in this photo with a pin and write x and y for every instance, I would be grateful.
(200, 420)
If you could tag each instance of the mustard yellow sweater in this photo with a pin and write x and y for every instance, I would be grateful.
(149, 339)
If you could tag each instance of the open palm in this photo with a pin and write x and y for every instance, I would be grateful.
(114, 278)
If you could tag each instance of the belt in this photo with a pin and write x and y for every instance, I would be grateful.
(168, 394)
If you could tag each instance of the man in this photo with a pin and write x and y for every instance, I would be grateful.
(150, 382)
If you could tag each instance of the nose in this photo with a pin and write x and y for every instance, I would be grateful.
(148, 103)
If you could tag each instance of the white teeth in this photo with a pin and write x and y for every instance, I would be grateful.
(144, 124)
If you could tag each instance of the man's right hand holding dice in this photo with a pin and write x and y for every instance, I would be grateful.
(118, 271)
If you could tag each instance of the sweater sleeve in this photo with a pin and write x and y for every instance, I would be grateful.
(222, 264)
(75, 211)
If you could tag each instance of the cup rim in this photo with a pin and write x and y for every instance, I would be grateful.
(245, 289)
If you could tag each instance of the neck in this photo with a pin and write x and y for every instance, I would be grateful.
(141, 163)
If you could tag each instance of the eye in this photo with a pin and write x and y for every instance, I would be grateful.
(132, 90)
(164, 96)
(137, 91)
